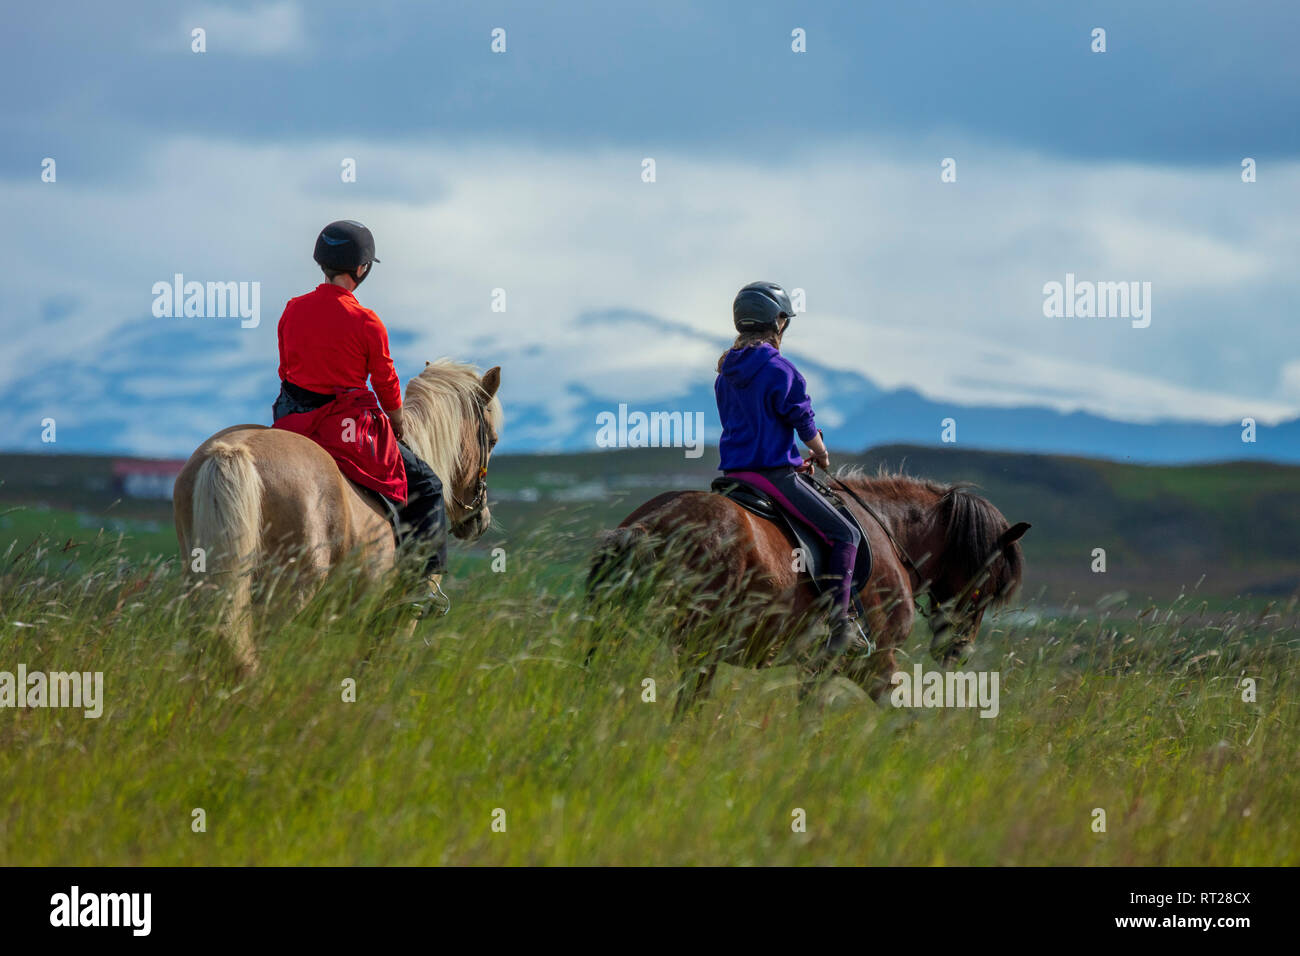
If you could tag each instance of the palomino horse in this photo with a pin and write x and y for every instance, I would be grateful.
(250, 494)
(943, 541)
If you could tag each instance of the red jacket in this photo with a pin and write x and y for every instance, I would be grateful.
(360, 437)
(329, 342)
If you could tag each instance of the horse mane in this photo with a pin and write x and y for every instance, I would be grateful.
(971, 542)
(439, 402)
(971, 523)
(895, 485)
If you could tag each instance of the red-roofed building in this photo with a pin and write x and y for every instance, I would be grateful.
(141, 478)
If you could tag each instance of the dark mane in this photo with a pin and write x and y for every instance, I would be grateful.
(972, 526)
(894, 485)
(971, 542)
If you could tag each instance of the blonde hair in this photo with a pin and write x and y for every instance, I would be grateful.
(747, 340)
(440, 401)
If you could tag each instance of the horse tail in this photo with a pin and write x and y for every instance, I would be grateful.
(227, 526)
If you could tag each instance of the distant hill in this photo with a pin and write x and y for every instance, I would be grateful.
(1224, 529)
(1232, 527)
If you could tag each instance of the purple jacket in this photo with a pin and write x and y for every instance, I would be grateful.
(762, 401)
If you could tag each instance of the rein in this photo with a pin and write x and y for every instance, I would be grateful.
(972, 587)
(480, 493)
(898, 548)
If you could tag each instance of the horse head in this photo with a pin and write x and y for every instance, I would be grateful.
(980, 565)
(472, 516)
(454, 422)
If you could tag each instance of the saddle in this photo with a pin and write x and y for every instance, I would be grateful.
(294, 400)
(816, 553)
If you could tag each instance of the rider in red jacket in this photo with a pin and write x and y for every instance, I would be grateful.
(329, 339)
(329, 345)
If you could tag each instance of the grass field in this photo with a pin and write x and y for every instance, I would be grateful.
(488, 715)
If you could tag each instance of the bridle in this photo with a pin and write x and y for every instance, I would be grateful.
(479, 502)
(922, 587)
(906, 559)
(938, 610)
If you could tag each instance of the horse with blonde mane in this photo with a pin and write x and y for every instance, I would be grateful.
(250, 495)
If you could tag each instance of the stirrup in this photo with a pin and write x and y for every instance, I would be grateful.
(862, 642)
(435, 600)
(864, 639)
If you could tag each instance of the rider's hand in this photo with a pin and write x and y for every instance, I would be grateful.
(819, 454)
(395, 416)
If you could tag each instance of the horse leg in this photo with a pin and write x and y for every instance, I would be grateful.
(816, 670)
(889, 619)
(239, 633)
(874, 673)
(373, 544)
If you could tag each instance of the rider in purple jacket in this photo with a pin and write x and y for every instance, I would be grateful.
(763, 403)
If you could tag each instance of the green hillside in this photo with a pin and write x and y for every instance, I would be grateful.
(1223, 529)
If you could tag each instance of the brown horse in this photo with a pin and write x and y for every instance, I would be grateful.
(252, 497)
(943, 541)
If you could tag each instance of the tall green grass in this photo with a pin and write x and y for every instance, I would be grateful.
(491, 708)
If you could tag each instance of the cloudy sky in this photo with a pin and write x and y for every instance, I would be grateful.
(522, 171)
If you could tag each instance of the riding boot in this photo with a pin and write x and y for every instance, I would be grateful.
(423, 518)
(843, 626)
(843, 631)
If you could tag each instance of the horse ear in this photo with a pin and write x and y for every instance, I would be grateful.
(1013, 534)
(492, 381)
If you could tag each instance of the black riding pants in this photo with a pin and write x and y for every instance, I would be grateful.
(423, 519)
(798, 498)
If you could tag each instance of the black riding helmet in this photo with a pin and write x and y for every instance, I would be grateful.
(345, 246)
(759, 306)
